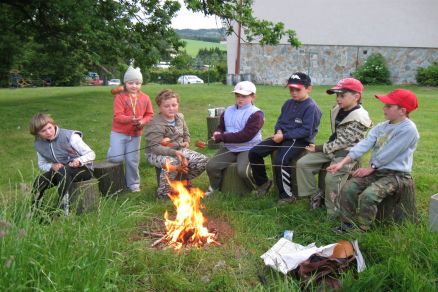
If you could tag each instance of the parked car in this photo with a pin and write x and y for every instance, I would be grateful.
(189, 79)
(114, 82)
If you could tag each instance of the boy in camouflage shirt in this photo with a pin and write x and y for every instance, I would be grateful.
(393, 144)
(349, 122)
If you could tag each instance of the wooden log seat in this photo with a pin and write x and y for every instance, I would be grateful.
(399, 207)
(85, 195)
(111, 177)
(232, 182)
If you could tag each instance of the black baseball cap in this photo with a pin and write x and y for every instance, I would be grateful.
(299, 80)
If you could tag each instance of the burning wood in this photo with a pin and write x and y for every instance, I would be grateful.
(188, 227)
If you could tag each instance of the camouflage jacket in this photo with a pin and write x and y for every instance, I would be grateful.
(350, 130)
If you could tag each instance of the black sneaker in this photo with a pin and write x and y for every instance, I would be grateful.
(263, 189)
(316, 200)
(344, 227)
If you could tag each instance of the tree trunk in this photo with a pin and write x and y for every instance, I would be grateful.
(111, 177)
(85, 195)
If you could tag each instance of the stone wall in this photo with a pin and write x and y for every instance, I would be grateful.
(328, 64)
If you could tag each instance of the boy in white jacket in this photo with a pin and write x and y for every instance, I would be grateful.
(63, 157)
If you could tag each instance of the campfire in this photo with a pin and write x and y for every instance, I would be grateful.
(188, 227)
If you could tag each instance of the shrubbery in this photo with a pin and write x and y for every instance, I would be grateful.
(428, 76)
(373, 70)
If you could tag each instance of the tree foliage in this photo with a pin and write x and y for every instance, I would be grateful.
(65, 38)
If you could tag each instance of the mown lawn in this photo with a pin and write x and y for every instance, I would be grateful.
(105, 249)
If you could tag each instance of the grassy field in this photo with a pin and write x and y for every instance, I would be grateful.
(193, 46)
(105, 249)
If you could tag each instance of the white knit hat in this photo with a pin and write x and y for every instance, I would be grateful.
(133, 74)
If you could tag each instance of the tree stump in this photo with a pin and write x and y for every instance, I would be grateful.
(433, 213)
(293, 176)
(232, 182)
(111, 177)
(212, 124)
(84, 195)
(399, 207)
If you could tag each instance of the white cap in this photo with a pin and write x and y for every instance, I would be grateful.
(133, 74)
(245, 88)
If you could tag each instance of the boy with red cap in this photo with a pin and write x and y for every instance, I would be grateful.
(296, 128)
(393, 143)
(350, 123)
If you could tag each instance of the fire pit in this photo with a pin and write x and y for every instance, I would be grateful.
(188, 228)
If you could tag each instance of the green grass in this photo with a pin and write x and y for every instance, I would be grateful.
(105, 249)
(193, 46)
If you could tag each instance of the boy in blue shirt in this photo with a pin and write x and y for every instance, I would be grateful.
(393, 143)
(296, 128)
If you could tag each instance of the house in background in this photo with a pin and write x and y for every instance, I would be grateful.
(337, 37)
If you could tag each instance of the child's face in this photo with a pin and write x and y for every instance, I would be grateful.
(47, 132)
(242, 100)
(394, 113)
(300, 94)
(169, 108)
(347, 100)
(133, 86)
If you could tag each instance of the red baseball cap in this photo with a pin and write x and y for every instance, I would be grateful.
(347, 84)
(401, 97)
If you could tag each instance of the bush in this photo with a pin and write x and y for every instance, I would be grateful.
(428, 76)
(373, 70)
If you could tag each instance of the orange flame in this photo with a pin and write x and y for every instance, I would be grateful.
(188, 226)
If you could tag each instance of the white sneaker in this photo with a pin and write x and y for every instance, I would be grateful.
(209, 191)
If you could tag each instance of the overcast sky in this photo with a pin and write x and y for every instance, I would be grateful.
(187, 19)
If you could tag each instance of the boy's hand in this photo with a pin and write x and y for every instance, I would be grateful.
(310, 148)
(57, 166)
(216, 136)
(363, 171)
(185, 145)
(278, 137)
(335, 167)
(75, 163)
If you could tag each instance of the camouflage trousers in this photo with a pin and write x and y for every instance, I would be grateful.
(196, 161)
(363, 194)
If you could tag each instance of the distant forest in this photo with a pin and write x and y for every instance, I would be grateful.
(208, 35)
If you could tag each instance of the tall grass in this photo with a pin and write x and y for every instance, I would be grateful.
(106, 250)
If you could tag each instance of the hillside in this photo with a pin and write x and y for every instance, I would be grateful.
(193, 46)
(208, 35)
